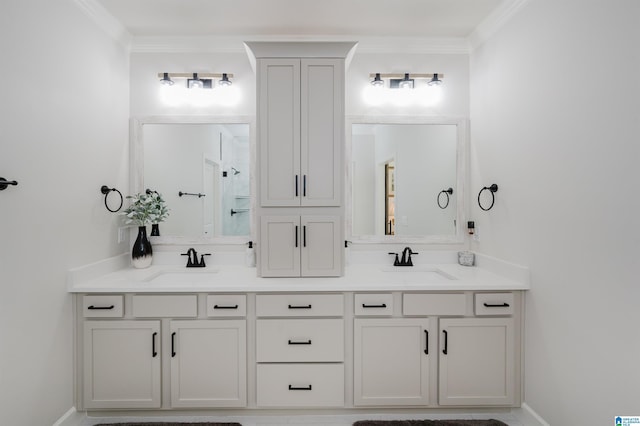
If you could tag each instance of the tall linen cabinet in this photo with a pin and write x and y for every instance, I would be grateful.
(300, 157)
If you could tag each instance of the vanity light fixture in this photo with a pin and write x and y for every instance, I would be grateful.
(435, 81)
(405, 80)
(166, 80)
(377, 81)
(195, 80)
(224, 81)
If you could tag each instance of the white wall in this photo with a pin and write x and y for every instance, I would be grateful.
(555, 120)
(63, 134)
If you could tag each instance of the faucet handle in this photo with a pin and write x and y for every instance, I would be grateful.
(189, 262)
(202, 264)
(396, 262)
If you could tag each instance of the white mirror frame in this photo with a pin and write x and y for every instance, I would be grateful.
(461, 180)
(136, 172)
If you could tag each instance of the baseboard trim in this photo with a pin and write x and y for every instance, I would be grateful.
(528, 416)
(70, 418)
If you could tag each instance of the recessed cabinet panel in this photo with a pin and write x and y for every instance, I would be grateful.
(321, 253)
(424, 304)
(299, 305)
(103, 306)
(280, 246)
(153, 306)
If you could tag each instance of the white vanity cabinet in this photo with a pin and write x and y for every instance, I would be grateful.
(294, 246)
(300, 110)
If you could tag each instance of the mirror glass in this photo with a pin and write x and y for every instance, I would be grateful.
(202, 171)
(406, 180)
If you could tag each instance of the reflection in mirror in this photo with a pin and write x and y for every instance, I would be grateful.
(398, 171)
(202, 171)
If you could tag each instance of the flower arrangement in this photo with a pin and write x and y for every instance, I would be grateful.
(146, 208)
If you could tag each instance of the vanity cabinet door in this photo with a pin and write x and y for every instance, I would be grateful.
(208, 363)
(122, 364)
(280, 246)
(476, 361)
(391, 361)
(321, 249)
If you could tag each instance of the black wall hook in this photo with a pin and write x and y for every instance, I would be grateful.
(106, 191)
(446, 192)
(5, 183)
(180, 194)
(492, 189)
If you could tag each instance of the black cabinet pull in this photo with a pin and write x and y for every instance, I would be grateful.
(304, 185)
(300, 388)
(93, 308)
(446, 342)
(296, 185)
(154, 353)
(496, 305)
(225, 307)
(293, 342)
(300, 306)
(382, 305)
(296, 236)
(426, 342)
(304, 236)
(173, 344)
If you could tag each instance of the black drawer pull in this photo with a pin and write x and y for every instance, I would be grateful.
(382, 305)
(496, 305)
(106, 308)
(300, 388)
(426, 344)
(293, 342)
(154, 353)
(225, 307)
(446, 342)
(299, 306)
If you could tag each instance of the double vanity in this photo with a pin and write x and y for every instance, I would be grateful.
(169, 337)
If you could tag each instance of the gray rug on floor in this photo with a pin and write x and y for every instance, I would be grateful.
(169, 424)
(490, 422)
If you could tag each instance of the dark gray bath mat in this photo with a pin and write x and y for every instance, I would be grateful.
(490, 422)
(169, 424)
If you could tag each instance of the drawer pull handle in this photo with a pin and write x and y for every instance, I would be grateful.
(154, 353)
(446, 342)
(173, 345)
(426, 342)
(300, 306)
(382, 305)
(496, 305)
(300, 387)
(93, 308)
(225, 307)
(293, 342)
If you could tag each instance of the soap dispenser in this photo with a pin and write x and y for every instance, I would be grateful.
(250, 256)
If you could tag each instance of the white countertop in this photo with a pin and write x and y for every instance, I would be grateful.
(114, 275)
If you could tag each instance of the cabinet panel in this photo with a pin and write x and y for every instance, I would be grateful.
(374, 304)
(154, 306)
(321, 248)
(280, 246)
(226, 305)
(299, 305)
(476, 361)
(122, 364)
(494, 304)
(391, 361)
(208, 363)
(300, 340)
(279, 121)
(433, 304)
(103, 306)
(300, 385)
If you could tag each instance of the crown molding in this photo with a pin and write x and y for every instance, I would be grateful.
(235, 44)
(494, 22)
(107, 22)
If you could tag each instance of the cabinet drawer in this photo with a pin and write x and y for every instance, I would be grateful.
(299, 305)
(494, 304)
(226, 305)
(107, 306)
(300, 340)
(379, 304)
(300, 385)
(434, 304)
(153, 306)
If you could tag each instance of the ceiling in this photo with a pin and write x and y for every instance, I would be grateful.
(265, 18)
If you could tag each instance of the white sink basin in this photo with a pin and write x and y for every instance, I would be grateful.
(183, 276)
(422, 273)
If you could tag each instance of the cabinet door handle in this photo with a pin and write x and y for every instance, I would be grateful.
(304, 185)
(173, 344)
(446, 342)
(300, 306)
(307, 388)
(296, 236)
(426, 342)
(293, 342)
(296, 185)
(101, 307)
(496, 305)
(382, 305)
(304, 236)
(154, 353)
(225, 307)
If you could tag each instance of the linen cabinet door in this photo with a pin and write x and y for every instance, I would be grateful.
(391, 365)
(321, 248)
(122, 364)
(208, 363)
(279, 132)
(322, 129)
(280, 246)
(476, 361)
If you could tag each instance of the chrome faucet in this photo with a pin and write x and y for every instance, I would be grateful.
(192, 258)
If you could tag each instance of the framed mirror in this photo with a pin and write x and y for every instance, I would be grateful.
(202, 166)
(406, 179)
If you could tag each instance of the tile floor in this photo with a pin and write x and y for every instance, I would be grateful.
(311, 420)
